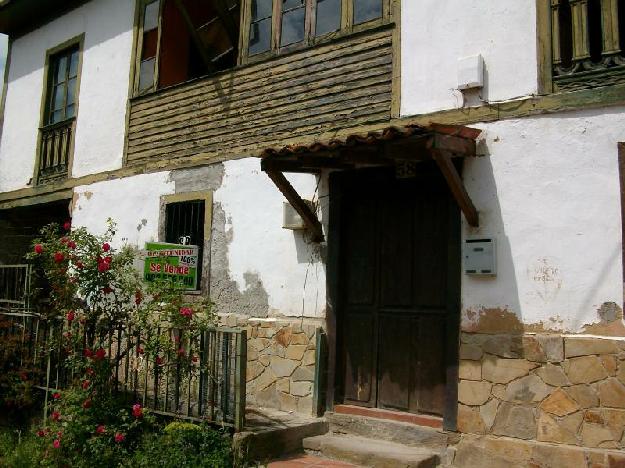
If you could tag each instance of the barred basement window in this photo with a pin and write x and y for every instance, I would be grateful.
(587, 39)
(184, 224)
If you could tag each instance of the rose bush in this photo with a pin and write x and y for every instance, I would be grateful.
(91, 289)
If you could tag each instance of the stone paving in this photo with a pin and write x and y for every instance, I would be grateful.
(308, 461)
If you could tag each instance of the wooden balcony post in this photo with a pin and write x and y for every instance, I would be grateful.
(555, 32)
(581, 42)
(610, 27)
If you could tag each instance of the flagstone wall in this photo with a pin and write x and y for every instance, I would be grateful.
(556, 389)
(281, 358)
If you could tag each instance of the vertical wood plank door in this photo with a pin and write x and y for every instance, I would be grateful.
(398, 308)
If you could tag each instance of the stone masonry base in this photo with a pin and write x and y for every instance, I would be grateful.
(555, 389)
(281, 357)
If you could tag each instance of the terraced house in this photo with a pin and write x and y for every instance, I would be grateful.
(415, 208)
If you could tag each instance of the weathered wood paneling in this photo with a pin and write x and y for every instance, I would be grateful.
(329, 88)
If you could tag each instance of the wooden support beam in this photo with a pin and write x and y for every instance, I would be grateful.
(310, 219)
(464, 147)
(197, 40)
(454, 181)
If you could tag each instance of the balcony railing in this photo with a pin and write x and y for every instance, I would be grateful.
(588, 42)
(56, 147)
(14, 288)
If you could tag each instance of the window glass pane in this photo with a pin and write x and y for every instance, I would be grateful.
(146, 74)
(290, 4)
(150, 20)
(293, 26)
(328, 16)
(367, 10)
(261, 9)
(58, 96)
(71, 91)
(57, 116)
(61, 69)
(260, 36)
(73, 64)
(69, 112)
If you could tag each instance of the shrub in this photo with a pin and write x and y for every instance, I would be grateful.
(184, 445)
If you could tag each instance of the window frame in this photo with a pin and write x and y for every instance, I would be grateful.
(310, 39)
(203, 284)
(138, 47)
(79, 42)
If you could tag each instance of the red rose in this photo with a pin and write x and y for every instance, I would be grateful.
(41, 433)
(71, 245)
(90, 371)
(87, 403)
(38, 248)
(55, 416)
(56, 443)
(67, 226)
(79, 265)
(102, 267)
(137, 411)
(138, 297)
(87, 352)
(85, 384)
(194, 359)
(56, 395)
(59, 257)
(100, 429)
(107, 290)
(108, 260)
(100, 354)
(119, 437)
(71, 316)
(159, 360)
(186, 312)
(106, 247)
(64, 240)
(140, 350)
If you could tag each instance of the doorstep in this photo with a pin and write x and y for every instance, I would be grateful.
(377, 413)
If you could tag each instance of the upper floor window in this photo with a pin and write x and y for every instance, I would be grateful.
(184, 39)
(587, 43)
(62, 85)
(281, 25)
(60, 104)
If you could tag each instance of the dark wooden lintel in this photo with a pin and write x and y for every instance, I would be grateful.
(310, 219)
(464, 147)
(454, 181)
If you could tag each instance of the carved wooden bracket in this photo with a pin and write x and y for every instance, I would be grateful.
(457, 188)
(310, 219)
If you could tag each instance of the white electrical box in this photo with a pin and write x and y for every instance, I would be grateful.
(471, 72)
(480, 257)
(291, 218)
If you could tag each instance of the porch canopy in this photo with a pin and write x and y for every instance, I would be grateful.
(399, 147)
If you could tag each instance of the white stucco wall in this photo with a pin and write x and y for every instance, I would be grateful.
(291, 271)
(549, 193)
(103, 93)
(435, 34)
(128, 202)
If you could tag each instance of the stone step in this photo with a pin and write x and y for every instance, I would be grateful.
(270, 434)
(391, 431)
(370, 452)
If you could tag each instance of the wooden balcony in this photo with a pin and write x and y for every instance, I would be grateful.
(332, 89)
(588, 43)
(55, 150)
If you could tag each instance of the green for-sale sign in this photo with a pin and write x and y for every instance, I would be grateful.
(171, 262)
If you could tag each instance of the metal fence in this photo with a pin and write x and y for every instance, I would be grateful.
(14, 288)
(208, 385)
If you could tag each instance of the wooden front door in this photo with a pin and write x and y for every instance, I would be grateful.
(398, 283)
